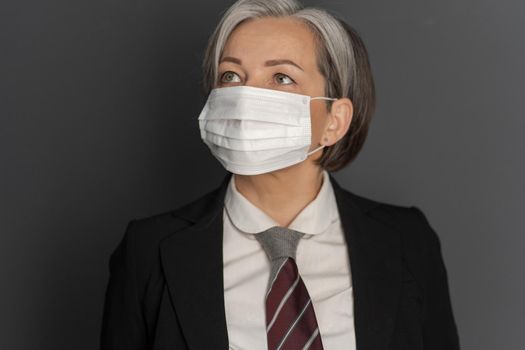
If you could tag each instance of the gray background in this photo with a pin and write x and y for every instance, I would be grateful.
(98, 108)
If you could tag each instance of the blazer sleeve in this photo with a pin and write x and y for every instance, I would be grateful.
(439, 327)
(123, 325)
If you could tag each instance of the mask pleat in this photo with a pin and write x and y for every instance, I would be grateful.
(249, 129)
(258, 157)
(257, 144)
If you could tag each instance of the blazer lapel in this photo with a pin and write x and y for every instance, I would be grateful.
(194, 254)
(374, 250)
(192, 262)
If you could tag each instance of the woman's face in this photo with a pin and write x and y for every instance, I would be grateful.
(276, 53)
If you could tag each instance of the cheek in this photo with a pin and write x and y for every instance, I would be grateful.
(318, 117)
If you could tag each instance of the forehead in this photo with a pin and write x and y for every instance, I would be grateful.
(261, 39)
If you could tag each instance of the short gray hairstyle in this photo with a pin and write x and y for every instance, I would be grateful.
(341, 58)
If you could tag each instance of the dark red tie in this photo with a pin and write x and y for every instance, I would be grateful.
(290, 316)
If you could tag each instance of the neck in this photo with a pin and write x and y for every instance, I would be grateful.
(283, 193)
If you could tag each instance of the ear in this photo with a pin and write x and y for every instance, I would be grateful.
(339, 121)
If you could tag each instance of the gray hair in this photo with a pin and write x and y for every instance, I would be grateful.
(341, 58)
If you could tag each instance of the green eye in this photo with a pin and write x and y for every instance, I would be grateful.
(281, 75)
(229, 75)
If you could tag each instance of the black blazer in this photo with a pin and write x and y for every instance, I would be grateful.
(165, 290)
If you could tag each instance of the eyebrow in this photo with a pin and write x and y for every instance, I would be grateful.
(268, 63)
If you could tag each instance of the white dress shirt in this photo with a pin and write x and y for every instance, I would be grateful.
(322, 260)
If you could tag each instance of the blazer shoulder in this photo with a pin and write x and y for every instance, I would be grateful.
(408, 220)
(143, 235)
(153, 228)
(390, 213)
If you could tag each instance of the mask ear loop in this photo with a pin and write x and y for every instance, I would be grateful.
(320, 98)
(315, 150)
(323, 98)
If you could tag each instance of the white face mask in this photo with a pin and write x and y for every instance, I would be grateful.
(252, 130)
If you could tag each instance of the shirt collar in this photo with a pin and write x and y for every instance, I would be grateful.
(314, 219)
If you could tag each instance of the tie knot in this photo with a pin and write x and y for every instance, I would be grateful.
(279, 242)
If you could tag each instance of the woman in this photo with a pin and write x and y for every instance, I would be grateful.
(279, 256)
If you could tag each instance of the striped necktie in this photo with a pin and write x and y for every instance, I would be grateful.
(290, 316)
